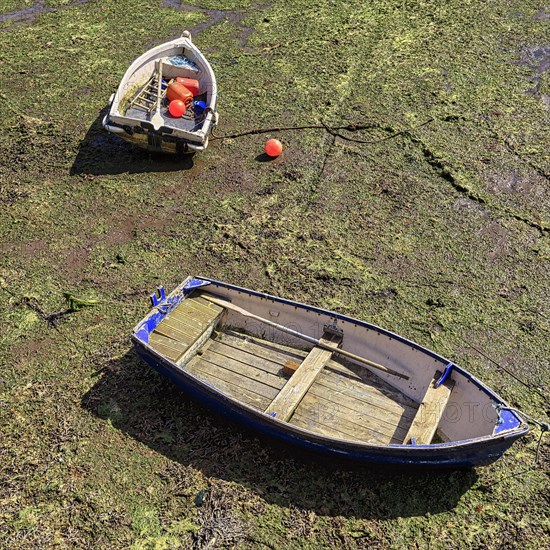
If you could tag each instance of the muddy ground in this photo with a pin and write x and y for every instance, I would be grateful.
(432, 223)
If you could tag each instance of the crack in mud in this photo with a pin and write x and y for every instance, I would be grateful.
(27, 15)
(444, 171)
(519, 156)
(217, 16)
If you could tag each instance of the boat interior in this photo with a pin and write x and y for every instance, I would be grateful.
(139, 99)
(306, 386)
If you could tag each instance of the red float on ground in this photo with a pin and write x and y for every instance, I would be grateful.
(273, 147)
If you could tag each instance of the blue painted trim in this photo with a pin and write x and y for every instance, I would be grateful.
(444, 376)
(193, 284)
(158, 296)
(507, 420)
(163, 305)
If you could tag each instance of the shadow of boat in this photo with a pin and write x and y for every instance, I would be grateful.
(142, 404)
(101, 153)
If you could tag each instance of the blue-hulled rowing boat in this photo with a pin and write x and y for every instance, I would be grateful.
(321, 380)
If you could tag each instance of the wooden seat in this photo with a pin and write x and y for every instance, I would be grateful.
(430, 412)
(185, 329)
(286, 401)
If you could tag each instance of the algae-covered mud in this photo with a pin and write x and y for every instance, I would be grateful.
(432, 222)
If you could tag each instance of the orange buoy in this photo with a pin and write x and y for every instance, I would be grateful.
(176, 90)
(273, 147)
(177, 108)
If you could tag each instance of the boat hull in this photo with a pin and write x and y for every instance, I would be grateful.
(442, 456)
(466, 453)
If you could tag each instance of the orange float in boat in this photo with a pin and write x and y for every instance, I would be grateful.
(190, 83)
(176, 90)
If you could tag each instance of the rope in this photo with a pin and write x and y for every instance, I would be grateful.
(507, 371)
(538, 445)
(331, 130)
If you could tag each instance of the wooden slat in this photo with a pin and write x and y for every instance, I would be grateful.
(171, 353)
(294, 390)
(278, 353)
(156, 338)
(246, 357)
(175, 334)
(339, 418)
(270, 356)
(168, 351)
(356, 410)
(363, 378)
(197, 309)
(366, 393)
(274, 358)
(243, 369)
(201, 304)
(236, 379)
(190, 315)
(240, 394)
(198, 299)
(313, 425)
(185, 324)
(430, 412)
(275, 347)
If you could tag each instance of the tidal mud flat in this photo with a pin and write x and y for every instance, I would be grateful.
(433, 223)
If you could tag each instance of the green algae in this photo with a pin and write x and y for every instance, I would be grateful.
(439, 233)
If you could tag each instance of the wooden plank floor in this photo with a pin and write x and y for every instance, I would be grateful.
(350, 400)
(244, 368)
(345, 401)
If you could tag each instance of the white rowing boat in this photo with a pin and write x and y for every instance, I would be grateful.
(139, 110)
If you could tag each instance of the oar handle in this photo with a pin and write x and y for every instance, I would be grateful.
(318, 343)
(159, 88)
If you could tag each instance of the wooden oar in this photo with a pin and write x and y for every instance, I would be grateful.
(318, 343)
(157, 121)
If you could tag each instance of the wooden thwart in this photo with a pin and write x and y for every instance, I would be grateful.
(284, 405)
(430, 412)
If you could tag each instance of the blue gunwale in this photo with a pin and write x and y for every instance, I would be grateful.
(465, 453)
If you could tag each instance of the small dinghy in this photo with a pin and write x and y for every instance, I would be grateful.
(140, 109)
(321, 380)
